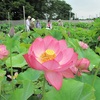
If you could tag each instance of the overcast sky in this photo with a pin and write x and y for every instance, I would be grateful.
(85, 8)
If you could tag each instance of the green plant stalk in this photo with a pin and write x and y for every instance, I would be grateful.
(3, 97)
(65, 36)
(11, 62)
(43, 89)
(11, 66)
(95, 75)
(0, 87)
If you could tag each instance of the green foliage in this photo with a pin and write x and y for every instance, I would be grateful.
(2, 74)
(83, 25)
(56, 33)
(89, 80)
(72, 90)
(97, 50)
(4, 28)
(23, 93)
(30, 84)
(95, 32)
(29, 75)
(17, 61)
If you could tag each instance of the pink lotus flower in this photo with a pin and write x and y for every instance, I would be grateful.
(3, 51)
(82, 66)
(51, 56)
(83, 45)
(71, 71)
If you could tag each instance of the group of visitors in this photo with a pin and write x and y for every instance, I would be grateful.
(31, 24)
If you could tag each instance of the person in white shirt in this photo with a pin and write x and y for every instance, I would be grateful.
(28, 23)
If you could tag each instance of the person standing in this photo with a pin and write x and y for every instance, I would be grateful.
(49, 24)
(32, 24)
(38, 25)
(60, 23)
(28, 23)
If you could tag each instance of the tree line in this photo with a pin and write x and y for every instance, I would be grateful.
(42, 9)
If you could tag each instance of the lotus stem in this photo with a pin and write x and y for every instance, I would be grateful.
(43, 89)
(95, 75)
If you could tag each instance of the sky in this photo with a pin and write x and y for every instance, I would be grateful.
(85, 8)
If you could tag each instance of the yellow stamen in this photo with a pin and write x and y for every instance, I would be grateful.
(50, 52)
(48, 55)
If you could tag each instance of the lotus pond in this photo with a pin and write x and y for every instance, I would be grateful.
(58, 64)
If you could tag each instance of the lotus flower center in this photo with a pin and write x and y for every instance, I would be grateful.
(48, 55)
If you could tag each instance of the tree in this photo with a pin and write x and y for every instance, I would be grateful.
(16, 9)
(2, 10)
(42, 9)
(62, 10)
